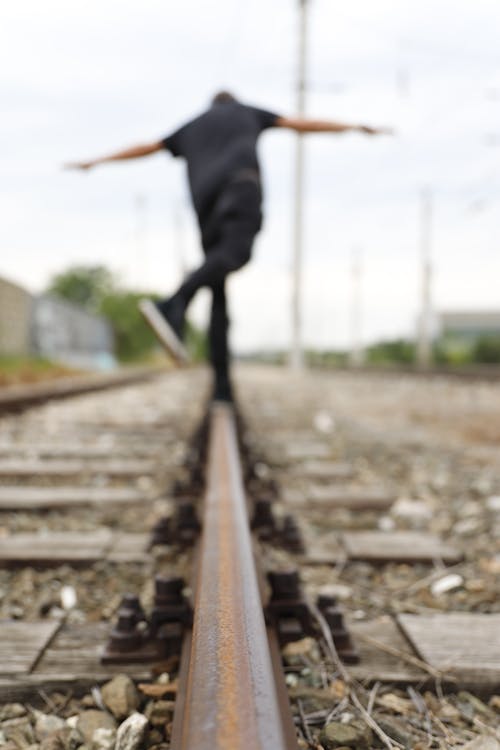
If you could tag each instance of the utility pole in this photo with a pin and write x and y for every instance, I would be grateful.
(356, 353)
(297, 354)
(424, 349)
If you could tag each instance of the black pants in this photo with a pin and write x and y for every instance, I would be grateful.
(227, 236)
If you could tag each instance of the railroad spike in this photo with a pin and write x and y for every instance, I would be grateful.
(182, 528)
(137, 639)
(291, 536)
(263, 520)
(287, 611)
(334, 618)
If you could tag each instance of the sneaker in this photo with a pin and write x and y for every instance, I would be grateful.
(167, 326)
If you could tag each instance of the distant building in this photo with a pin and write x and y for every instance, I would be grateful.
(48, 326)
(15, 319)
(468, 326)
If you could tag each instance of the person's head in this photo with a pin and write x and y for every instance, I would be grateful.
(222, 97)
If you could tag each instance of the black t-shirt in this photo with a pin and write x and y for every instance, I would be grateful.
(218, 146)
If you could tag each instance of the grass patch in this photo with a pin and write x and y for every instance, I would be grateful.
(17, 370)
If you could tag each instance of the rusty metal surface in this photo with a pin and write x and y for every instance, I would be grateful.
(230, 700)
(20, 397)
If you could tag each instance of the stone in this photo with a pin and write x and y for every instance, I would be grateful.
(494, 702)
(485, 742)
(493, 503)
(131, 732)
(20, 732)
(385, 523)
(416, 512)
(395, 703)
(294, 653)
(160, 713)
(120, 696)
(467, 526)
(396, 730)
(68, 597)
(450, 582)
(89, 721)
(324, 422)
(12, 711)
(356, 735)
(314, 699)
(337, 590)
(154, 737)
(62, 739)
(291, 680)
(47, 724)
(104, 739)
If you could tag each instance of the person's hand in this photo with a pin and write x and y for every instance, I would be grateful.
(81, 165)
(367, 130)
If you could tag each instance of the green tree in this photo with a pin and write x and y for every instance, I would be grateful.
(84, 285)
(399, 351)
(133, 338)
(487, 350)
(98, 290)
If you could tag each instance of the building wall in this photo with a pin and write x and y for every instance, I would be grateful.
(63, 331)
(51, 327)
(15, 317)
(470, 325)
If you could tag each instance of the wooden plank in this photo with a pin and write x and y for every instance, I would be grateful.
(55, 548)
(333, 498)
(76, 652)
(22, 644)
(87, 451)
(461, 644)
(43, 498)
(24, 395)
(376, 664)
(129, 548)
(325, 549)
(306, 450)
(73, 548)
(398, 546)
(322, 470)
(56, 468)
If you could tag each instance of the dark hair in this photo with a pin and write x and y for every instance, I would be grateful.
(223, 96)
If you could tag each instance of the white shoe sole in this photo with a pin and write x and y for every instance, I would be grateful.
(163, 331)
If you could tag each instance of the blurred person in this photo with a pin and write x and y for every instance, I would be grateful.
(220, 149)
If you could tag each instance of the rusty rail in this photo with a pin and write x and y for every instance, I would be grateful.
(17, 398)
(229, 698)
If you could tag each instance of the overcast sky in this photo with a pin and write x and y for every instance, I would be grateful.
(81, 78)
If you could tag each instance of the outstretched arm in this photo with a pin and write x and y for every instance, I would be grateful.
(135, 152)
(303, 125)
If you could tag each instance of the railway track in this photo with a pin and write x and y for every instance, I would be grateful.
(233, 693)
(215, 614)
(15, 399)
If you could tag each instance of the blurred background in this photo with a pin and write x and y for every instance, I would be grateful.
(399, 232)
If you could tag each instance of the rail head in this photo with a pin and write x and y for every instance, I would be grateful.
(230, 699)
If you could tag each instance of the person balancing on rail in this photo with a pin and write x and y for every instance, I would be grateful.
(219, 147)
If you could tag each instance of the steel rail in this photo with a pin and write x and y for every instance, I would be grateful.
(17, 398)
(488, 373)
(228, 697)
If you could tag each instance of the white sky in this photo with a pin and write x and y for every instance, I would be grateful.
(81, 78)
